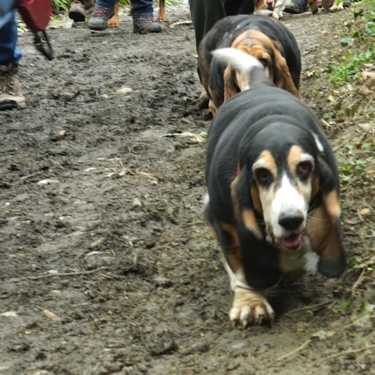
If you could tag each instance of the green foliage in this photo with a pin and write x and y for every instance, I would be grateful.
(349, 68)
(356, 165)
(362, 33)
(60, 4)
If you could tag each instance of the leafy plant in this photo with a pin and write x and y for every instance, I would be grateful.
(363, 31)
(60, 4)
(350, 68)
(357, 164)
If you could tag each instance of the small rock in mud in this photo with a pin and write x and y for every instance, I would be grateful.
(163, 347)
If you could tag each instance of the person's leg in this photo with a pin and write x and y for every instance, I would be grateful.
(204, 14)
(8, 42)
(10, 56)
(103, 11)
(143, 17)
(296, 6)
(142, 7)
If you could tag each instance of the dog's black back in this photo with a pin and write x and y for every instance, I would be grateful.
(227, 29)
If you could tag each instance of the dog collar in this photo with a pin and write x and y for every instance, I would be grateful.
(238, 168)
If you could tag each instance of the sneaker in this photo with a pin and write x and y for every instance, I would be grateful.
(10, 90)
(100, 17)
(77, 12)
(295, 8)
(145, 24)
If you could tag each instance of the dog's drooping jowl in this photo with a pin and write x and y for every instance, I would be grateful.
(272, 190)
(265, 38)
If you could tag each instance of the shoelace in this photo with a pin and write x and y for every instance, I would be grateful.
(6, 84)
(100, 11)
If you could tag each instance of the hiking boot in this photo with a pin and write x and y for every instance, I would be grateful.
(100, 17)
(77, 12)
(10, 90)
(145, 24)
(296, 8)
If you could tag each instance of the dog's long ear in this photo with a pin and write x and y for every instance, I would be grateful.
(260, 260)
(282, 77)
(230, 86)
(324, 227)
(221, 84)
(260, 4)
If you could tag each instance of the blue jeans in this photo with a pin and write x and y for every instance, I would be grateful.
(139, 7)
(9, 53)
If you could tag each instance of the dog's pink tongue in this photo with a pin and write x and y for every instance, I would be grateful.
(291, 241)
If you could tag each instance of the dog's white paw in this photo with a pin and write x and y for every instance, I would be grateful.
(250, 307)
(277, 15)
(337, 7)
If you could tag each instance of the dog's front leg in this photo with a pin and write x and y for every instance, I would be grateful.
(113, 21)
(278, 9)
(250, 307)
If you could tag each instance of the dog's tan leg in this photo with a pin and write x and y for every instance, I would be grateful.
(114, 20)
(250, 307)
(161, 14)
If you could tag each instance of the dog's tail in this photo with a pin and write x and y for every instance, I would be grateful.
(248, 68)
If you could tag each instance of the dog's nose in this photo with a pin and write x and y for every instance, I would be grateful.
(291, 220)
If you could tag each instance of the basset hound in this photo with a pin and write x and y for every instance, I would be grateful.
(265, 38)
(113, 21)
(272, 197)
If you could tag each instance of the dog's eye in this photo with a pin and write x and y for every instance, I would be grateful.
(264, 176)
(304, 169)
(263, 61)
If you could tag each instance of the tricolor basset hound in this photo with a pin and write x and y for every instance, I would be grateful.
(272, 190)
(265, 38)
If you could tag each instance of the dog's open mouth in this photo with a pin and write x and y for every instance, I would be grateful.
(292, 241)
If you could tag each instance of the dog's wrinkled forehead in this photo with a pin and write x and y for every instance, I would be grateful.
(251, 38)
(280, 164)
(281, 146)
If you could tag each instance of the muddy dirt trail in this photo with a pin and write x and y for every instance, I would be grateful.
(107, 266)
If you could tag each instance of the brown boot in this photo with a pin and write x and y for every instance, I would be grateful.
(89, 7)
(10, 90)
(80, 11)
